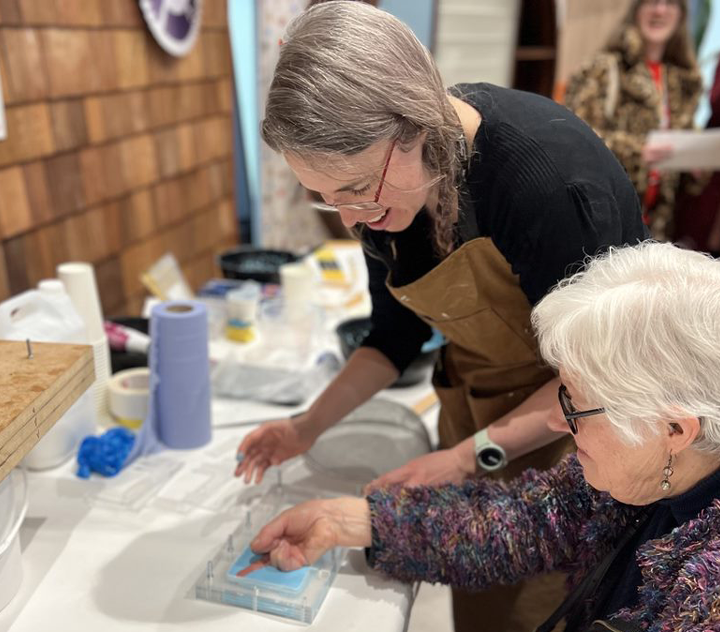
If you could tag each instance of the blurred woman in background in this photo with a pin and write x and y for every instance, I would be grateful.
(645, 79)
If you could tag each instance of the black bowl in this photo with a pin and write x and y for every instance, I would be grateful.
(258, 264)
(351, 334)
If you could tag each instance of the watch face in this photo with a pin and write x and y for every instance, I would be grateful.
(490, 458)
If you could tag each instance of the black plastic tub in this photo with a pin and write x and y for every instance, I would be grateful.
(352, 332)
(257, 264)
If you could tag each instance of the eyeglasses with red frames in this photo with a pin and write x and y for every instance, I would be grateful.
(361, 207)
(571, 413)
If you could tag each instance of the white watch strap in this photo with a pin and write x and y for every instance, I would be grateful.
(483, 442)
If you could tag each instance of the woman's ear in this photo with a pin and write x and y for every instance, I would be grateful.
(681, 433)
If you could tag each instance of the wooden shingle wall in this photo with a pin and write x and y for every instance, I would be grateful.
(116, 151)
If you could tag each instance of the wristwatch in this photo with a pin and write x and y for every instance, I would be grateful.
(488, 454)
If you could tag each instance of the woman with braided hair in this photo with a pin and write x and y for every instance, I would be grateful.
(470, 203)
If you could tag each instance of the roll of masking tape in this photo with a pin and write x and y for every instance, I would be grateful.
(129, 395)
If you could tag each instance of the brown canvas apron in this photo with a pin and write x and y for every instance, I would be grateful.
(489, 366)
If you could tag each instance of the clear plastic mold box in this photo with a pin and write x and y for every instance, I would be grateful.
(297, 595)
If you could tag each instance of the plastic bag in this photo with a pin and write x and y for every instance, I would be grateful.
(273, 385)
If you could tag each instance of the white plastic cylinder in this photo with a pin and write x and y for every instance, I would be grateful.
(298, 283)
(79, 281)
(101, 356)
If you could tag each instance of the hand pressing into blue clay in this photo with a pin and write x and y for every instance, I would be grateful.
(302, 535)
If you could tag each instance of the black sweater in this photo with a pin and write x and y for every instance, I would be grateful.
(540, 183)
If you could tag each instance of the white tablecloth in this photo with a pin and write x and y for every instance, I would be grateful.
(91, 568)
(88, 567)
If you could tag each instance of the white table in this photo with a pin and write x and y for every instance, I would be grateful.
(92, 568)
(95, 569)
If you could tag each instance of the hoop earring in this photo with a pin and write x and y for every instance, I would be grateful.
(667, 473)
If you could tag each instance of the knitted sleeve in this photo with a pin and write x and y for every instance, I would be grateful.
(485, 532)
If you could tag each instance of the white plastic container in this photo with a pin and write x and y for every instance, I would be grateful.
(13, 505)
(78, 279)
(48, 315)
(298, 286)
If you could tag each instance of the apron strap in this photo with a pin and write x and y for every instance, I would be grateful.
(590, 583)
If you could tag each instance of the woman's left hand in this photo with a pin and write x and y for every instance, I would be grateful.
(302, 535)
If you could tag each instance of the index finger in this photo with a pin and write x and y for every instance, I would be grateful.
(270, 535)
(247, 441)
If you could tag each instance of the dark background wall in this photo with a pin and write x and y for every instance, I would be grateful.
(116, 151)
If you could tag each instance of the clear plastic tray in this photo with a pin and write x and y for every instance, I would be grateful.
(134, 486)
(209, 485)
(297, 595)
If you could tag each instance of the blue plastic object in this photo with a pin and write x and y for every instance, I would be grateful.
(435, 341)
(105, 454)
(267, 576)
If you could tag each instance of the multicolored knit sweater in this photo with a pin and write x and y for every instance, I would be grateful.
(485, 532)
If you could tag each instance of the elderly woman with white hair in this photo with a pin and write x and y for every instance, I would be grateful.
(633, 517)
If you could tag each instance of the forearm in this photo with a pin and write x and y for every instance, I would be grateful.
(483, 532)
(522, 430)
(352, 515)
(366, 372)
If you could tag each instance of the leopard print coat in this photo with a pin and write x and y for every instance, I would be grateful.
(636, 112)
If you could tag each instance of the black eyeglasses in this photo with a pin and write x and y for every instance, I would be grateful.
(570, 412)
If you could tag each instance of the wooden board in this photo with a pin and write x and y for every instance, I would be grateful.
(35, 392)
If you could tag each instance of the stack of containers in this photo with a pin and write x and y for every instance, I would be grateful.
(79, 281)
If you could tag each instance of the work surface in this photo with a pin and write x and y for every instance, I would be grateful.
(91, 567)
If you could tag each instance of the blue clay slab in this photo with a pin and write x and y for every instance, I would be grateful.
(267, 576)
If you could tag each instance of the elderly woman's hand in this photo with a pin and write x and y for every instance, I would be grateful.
(301, 535)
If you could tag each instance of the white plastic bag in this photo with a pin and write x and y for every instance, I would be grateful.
(48, 315)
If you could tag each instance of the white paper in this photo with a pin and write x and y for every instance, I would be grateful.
(691, 149)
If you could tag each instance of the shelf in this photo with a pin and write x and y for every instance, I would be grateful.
(536, 49)
(535, 53)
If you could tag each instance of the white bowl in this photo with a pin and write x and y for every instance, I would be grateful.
(13, 506)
